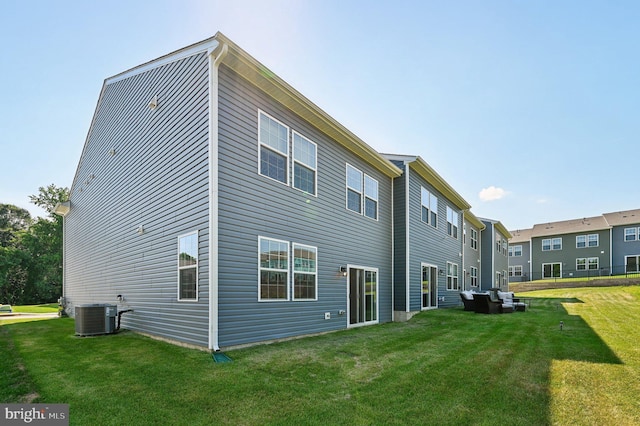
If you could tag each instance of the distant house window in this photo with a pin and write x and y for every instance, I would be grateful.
(590, 240)
(370, 197)
(551, 270)
(581, 264)
(515, 271)
(474, 276)
(354, 189)
(452, 276)
(188, 267)
(551, 244)
(504, 248)
(474, 239)
(274, 148)
(305, 276)
(631, 234)
(593, 263)
(429, 203)
(515, 251)
(304, 164)
(273, 269)
(452, 222)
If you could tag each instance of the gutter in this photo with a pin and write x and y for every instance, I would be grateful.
(214, 63)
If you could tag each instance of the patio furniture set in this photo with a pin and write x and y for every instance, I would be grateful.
(493, 301)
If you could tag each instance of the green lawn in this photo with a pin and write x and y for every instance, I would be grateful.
(37, 309)
(443, 367)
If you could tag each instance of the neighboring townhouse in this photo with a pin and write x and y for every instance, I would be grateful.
(571, 248)
(428, 219)
(472, 229)
(625, 241)
(494, 255)
(520, 255)
(224, 208)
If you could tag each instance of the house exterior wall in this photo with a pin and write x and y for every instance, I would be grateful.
(621, 248)
(494, 261)
(400, 238)
(471, 257)
(523, 261)
(569, 254)
(252, 206)
(157, 177)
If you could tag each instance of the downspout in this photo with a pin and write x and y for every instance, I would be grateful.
(407, 265)
(214, 63)
(464, 266)
(393, 254)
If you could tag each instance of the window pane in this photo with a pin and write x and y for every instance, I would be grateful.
(354, 201)
(273, 285)
(370, 187)
(425, 214)
(354, 179)
(370, 208)
(304, 179)
(581, 241)
(188, 250)
(304, 286)
(304, 151)
(188, 283)
(273, 134)
(593, 240)
(304, 259)
(273, 165)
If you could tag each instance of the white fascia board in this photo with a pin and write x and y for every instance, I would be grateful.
(203, 46)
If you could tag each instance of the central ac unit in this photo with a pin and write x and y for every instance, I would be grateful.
(94, 319)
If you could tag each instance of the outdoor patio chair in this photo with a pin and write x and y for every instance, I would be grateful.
(467, 299)
(484, 304)
(509, 301)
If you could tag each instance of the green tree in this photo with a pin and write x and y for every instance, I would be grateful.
(12, 220)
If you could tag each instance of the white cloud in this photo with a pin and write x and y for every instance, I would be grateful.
(492, 193)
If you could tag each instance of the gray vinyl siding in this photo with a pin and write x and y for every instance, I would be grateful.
(471, 258)
(569, 253)
(432, 245)
(251, 205)
(157, 178)
(521, 261)
(620, 248)
(400, 239)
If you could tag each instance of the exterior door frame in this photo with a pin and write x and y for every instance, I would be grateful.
(361, 297)
(432, 298)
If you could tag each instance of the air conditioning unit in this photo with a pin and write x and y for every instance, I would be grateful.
(95, 319)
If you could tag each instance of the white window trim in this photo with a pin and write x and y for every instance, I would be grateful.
(474, 277)
(364, 196)
(293, 272)
(293, 156)
(347, 188)
(635, 235)
(179, 299)
(456, 277)
(365, 269)
(430, 196)
(551, 263)
(261, 144)
(288, 270)
(454, 226)
(474, 246)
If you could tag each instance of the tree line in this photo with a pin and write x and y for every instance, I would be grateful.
(31, 250)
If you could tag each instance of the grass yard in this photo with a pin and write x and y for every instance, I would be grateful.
(443, 367)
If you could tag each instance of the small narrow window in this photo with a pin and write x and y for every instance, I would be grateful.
(273, 269)
(354, 189)
(304, 164)
(188, 267)
(429, 212)
(474, 239)
(452, 276)
(370, 197)
(305, 277)
(452, 222)
(274, 148)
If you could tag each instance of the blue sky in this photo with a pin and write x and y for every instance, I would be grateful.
(528, 109)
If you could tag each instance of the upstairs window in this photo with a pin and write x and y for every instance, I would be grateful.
(188, 267)
(354, 189)
(429, 204)
(274, 148)
(452, 222)
(370, 197)
(304, 164)
(515, 251)
(630, 234)
(551, 244)
(591, 240)
(474, 239)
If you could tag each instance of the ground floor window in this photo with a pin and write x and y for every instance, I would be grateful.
(584, 263)
(515, 271)
(452, 276)
(474, 276)
(274, 269)
(551, 270)
(188, 267)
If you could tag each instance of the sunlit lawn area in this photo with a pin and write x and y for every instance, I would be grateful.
(444, 366)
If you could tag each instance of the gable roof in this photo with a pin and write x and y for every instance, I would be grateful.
(473, 220)
(627, 217)
(587, 224)
(499, 226)
(521, 236)
(427, 172)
